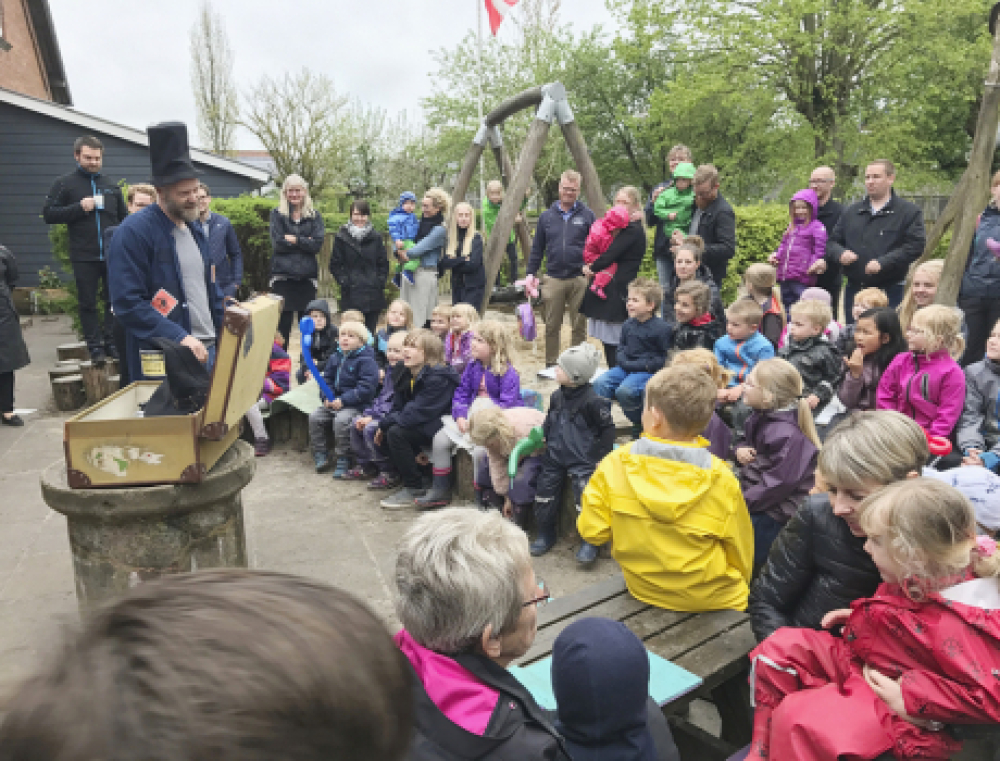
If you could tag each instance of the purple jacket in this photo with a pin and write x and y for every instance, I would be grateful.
(930, 388)
(383, 402)
(505, 390)
(460, 358)
(781, 475)
(802, 244)
(859, 393)
(720, 438)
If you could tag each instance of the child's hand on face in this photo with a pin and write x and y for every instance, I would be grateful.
(735, 393)
(973, 459)
(855, 363)
(745, 455)
(463, 425)
(722, 395)
(813, 400)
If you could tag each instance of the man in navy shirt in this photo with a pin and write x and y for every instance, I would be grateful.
(223, 248)
(560, 235)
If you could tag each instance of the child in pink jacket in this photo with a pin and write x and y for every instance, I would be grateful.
(602, 232)
(802, 245)
(926, 383)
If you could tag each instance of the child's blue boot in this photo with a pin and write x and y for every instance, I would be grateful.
(587, 554)
(545, 539)
(343, 465)
(322, 460)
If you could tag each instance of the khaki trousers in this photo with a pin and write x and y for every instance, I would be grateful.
(557, 297)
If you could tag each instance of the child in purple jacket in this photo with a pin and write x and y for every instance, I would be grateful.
(490, 376)
(776, 451)
(803, 244)
(458, 341)
(370, 460)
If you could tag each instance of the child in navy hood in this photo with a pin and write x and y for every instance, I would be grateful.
(324, 339)
(600, 677)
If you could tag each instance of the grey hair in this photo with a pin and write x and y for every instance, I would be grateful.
(877, 446)
(284, 208)
(457, 572)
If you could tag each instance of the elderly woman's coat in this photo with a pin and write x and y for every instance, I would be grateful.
(13, 352)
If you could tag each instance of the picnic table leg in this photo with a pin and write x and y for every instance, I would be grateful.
(732, 700)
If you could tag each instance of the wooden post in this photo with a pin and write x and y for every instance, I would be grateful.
(77, 350)
(63, 370)
(972, 190)
(511, 205)
(69, 393)
(468, 168)
(506, 173)
(581, 157)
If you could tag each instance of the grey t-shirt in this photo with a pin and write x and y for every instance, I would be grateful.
(695, 221)
(193, 273)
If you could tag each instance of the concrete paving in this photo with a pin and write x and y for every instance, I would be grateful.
(297, 522)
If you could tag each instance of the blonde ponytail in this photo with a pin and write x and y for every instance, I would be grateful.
(782, 387)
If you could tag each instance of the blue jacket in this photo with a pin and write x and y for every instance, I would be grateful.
(353, 377)
(403, 225)
(561, 240)
(224, 253)
(145, 262)
(982, 271)
(740, 357)
(644, 346)
(429, 249)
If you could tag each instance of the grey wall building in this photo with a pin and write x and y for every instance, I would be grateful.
(36, 146)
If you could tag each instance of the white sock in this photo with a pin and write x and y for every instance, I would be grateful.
(256, 420)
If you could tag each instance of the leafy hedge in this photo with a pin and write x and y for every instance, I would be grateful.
(758, 232)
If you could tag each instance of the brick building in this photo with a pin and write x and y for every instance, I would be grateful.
(30, 62)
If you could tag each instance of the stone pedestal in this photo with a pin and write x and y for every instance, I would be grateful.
(122, 537)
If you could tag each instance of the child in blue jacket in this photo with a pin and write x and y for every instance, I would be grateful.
(352, 375)
(403, 227)
(642, 351)
(743, 346)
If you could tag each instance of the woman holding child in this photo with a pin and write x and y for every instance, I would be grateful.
(429, 244)
(360, 266)
(607, 314)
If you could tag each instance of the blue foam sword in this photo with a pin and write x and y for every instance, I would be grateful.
(308, 328)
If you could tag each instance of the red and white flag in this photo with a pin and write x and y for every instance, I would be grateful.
(497, 10)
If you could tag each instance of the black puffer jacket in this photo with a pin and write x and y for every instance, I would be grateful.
(627, 251)
(815, 565)
(296, 260)
(820, 365)
(361, 269)
(62, 207)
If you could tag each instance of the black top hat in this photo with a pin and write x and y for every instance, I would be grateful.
(185, 388)
(168, 153)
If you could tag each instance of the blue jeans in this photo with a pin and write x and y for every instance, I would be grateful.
(894, 291)
(627, 388)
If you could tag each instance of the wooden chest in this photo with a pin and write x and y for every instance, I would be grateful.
(111, 444)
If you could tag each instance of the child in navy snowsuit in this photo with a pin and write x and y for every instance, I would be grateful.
(579, 432)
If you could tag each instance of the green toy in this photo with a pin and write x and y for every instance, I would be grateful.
(525, 447)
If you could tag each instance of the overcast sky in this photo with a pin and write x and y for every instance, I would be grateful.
(135, 68)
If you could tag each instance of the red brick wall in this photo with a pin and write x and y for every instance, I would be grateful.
(21, 67)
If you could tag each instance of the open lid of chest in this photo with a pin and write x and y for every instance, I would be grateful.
(112, 444)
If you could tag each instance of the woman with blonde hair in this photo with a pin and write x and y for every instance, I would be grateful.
(922, 290)
(777, 456)
(296, 238)
(463, 257)
(607, 315)
(429, 243)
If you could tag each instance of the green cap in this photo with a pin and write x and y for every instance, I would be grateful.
(684, 171)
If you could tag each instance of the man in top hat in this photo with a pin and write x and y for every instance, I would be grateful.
(162, 284)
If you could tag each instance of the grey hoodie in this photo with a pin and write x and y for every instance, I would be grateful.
(979, 426)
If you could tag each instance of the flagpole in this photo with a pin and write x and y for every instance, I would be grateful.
(479, 103)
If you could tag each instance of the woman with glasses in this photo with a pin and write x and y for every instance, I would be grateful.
(468, 601)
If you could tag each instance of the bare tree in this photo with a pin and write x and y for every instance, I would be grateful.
(303, 123)
(212, 81)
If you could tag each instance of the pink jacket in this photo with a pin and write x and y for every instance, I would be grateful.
(802, 244)
(930, 388)
(600, 237)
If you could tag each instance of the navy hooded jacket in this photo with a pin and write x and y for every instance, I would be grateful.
(353, 377)
(561, 240)
(600, 678)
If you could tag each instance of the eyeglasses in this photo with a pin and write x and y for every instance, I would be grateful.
(543, 598)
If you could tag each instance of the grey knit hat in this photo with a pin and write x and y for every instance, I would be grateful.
(580, 363)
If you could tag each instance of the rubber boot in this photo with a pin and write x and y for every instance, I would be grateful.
(586, 555)
(322, 460)
(483, 498)
(439, 495)
(343, 465)
(545, 539)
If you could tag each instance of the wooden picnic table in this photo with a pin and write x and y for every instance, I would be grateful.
(713, 646)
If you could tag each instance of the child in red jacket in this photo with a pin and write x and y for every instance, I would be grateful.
(922, 652)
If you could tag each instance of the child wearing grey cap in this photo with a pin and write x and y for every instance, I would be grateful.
(579, 432)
